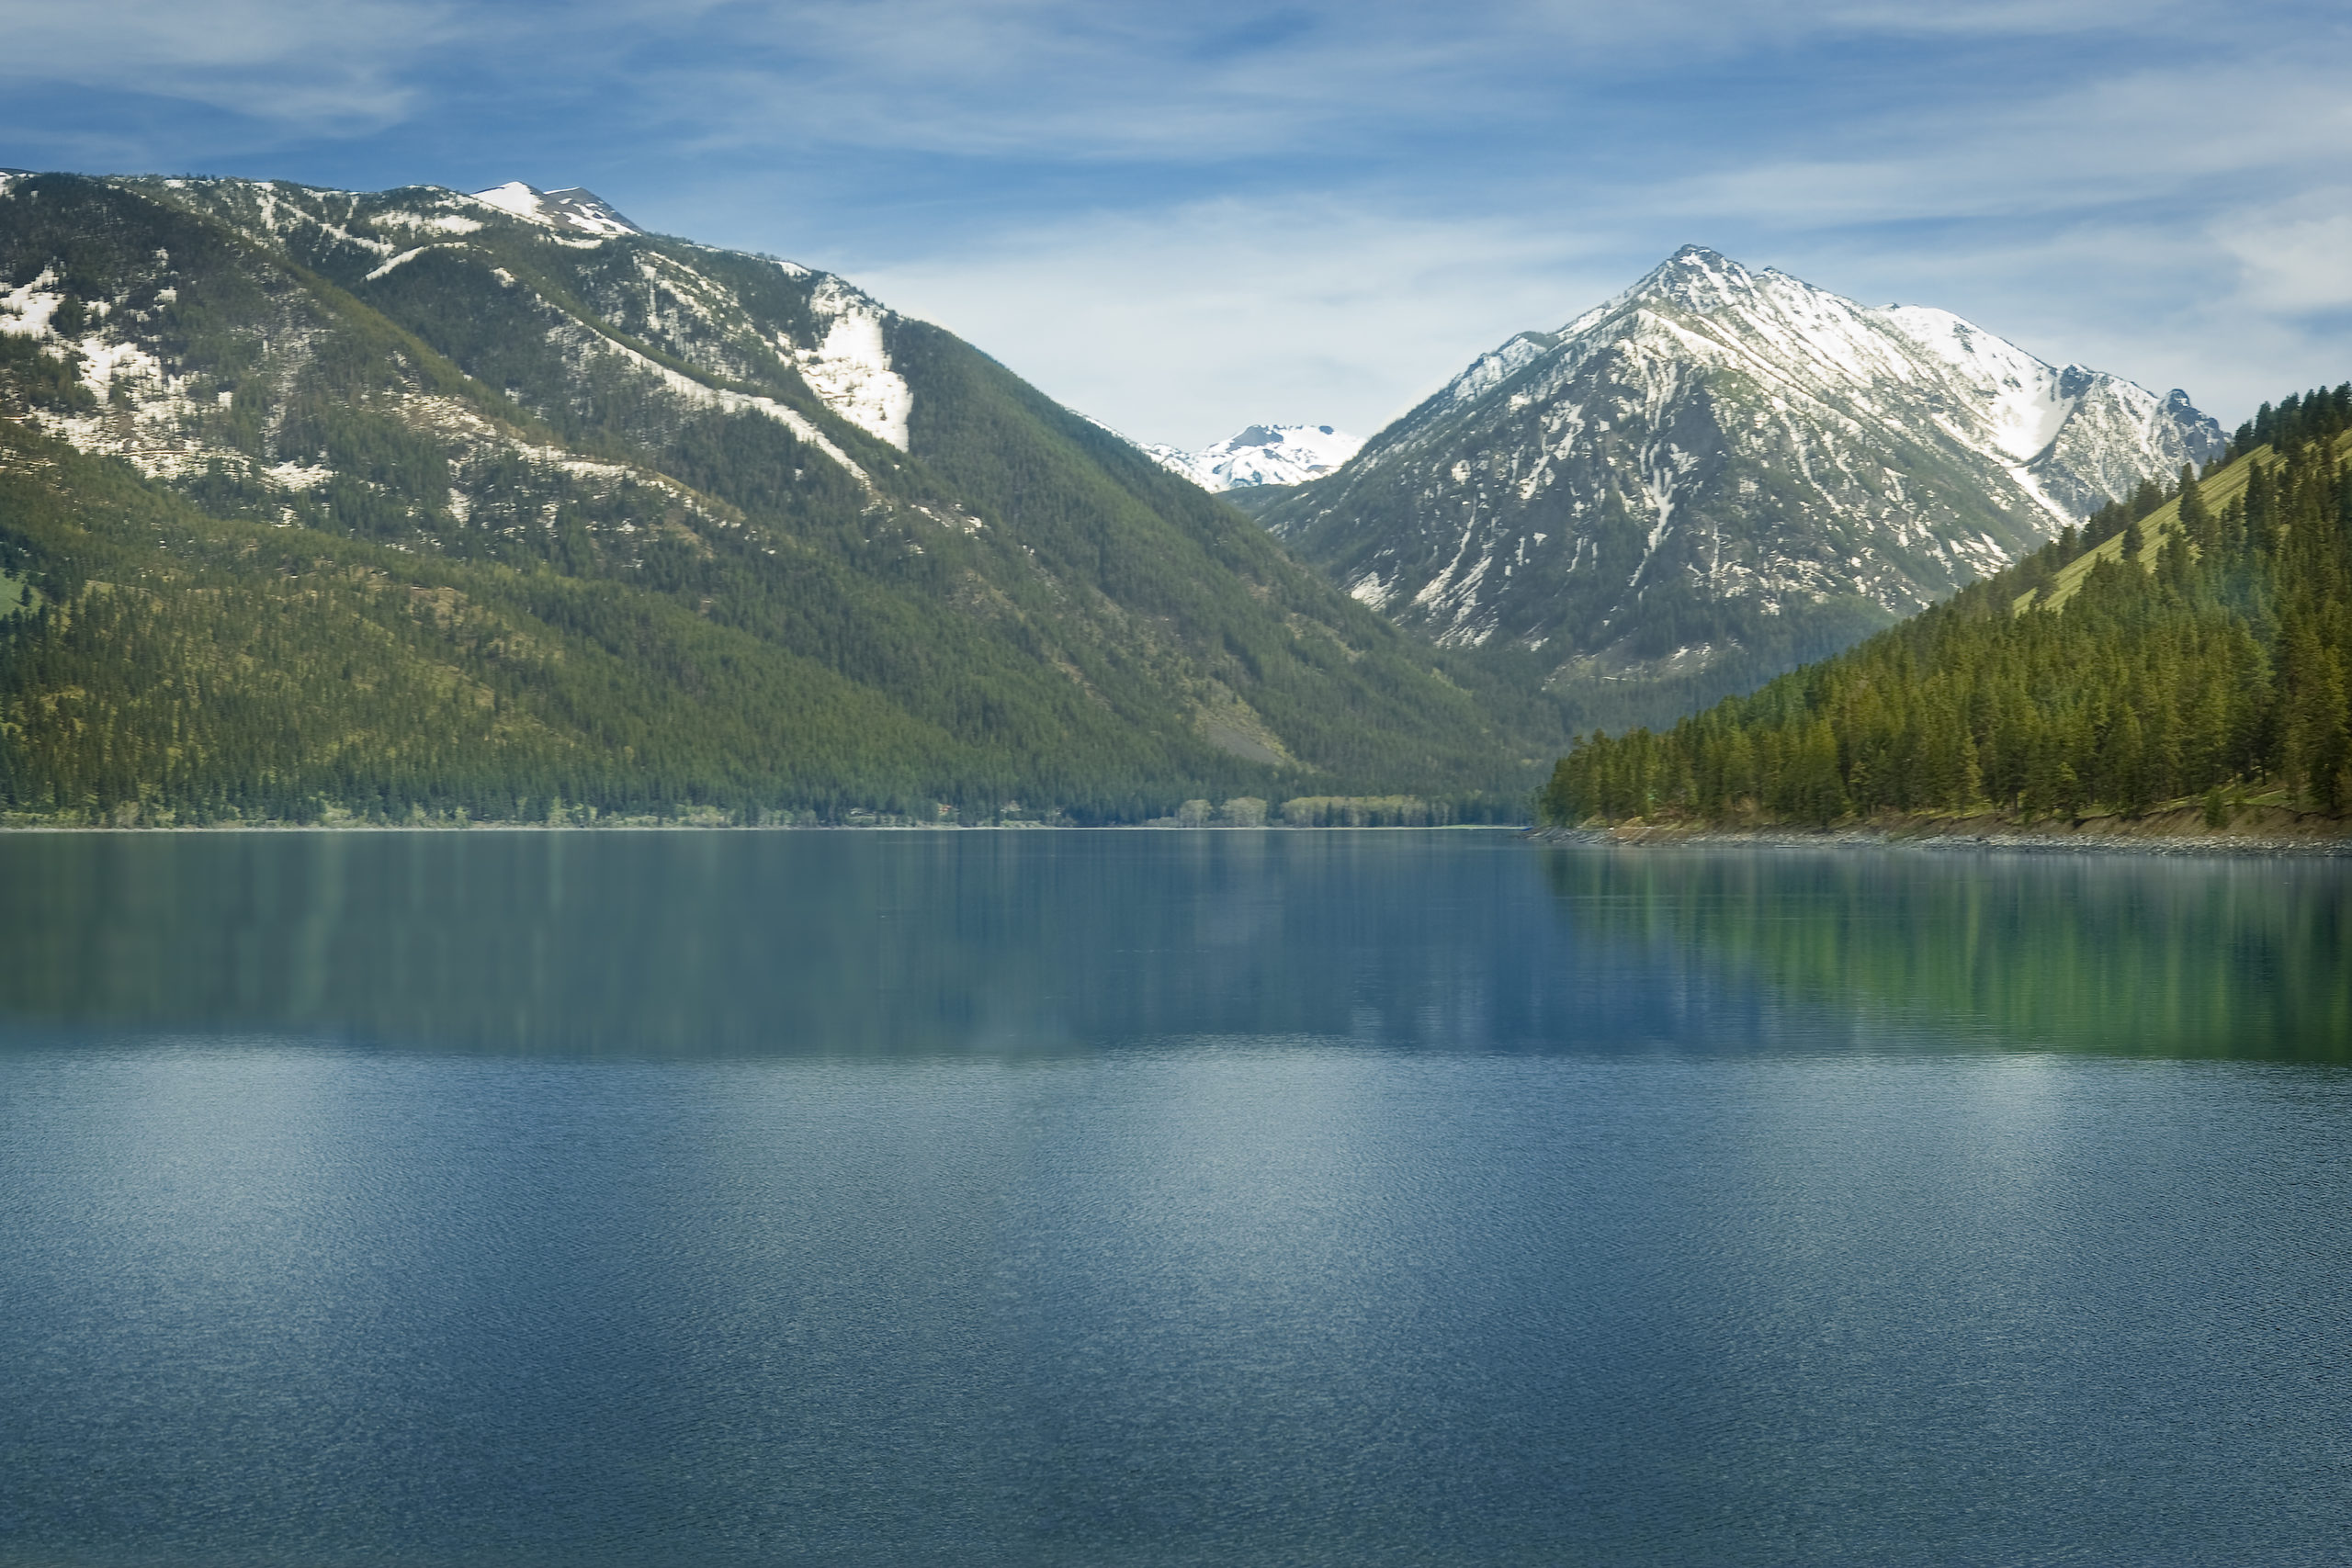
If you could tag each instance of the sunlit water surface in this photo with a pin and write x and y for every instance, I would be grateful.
(1166, 1198)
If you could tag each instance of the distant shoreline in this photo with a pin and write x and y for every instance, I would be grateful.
(1520, 828)
(2322, 838)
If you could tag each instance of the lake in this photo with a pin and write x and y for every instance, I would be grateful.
(1129, 1197)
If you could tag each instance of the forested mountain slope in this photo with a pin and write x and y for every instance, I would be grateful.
(1716, 476)
(314, 501)
(2195, 648)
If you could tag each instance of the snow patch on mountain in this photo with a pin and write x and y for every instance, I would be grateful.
(397, 262)
(516, 198)
(24, 310)
(437, 223)
(692, 390)
(1262, 455)
(1497, 365)
(574, 209)
(850, 367)
(2021, 399)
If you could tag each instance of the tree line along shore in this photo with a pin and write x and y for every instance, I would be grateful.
(2185, 657)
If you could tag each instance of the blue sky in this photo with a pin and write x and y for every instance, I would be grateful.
(1185, 218)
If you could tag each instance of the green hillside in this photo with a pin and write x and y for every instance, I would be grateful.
(314, 502)
(2187, 648)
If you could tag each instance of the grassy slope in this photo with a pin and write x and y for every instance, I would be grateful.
(2217, 490)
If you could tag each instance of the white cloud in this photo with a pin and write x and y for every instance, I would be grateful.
(1068, 81)
(2296, 257)
(332, 64)
(2180, 134)
(1185, 218)
(1183, 326)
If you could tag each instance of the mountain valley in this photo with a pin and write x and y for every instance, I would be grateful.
(497, 505)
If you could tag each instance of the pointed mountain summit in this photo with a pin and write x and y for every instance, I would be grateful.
(1719, 473)
(1262, 455)
(579, 211)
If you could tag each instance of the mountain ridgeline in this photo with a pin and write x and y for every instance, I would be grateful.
(2191, 650)
(1716, 476)
(420, 504)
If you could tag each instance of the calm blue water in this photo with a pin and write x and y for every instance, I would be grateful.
(1161, 1198)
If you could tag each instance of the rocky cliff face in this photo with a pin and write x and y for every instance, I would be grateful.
(1719, 473)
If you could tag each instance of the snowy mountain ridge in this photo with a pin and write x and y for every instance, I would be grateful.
(1711, 460)
(1804, 341)
(840, 350)
(1260, 455)
(579, 210)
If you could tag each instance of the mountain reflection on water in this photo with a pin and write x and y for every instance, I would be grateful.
(760, 943)
(1056, 1199)
(863, 943)
(2157, 955)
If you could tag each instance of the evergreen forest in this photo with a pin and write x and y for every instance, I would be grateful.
(2189, 647)
(323, 506)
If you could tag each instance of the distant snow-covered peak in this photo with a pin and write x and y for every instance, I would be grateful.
(582, 212)
(1262, 455)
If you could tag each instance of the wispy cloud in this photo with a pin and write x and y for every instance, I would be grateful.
(1181, 325)
(341, 66)
(2296, 257)
(1185, 217)
(1059, 81)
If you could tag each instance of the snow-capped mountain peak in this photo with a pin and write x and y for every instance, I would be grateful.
(1699, 279)
(1718, 459)
(1262, 455)
(580, 211)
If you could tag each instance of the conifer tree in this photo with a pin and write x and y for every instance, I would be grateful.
(2196, 519)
